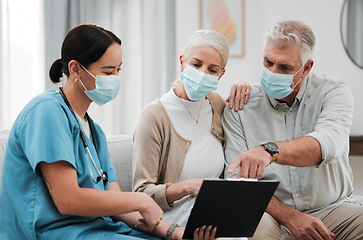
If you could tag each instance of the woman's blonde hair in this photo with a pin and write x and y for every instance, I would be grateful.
(208, 38)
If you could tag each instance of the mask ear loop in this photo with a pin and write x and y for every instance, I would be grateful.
(83, 85)
(87, 70)
(297, 84)
(300, 78)
(88, 73)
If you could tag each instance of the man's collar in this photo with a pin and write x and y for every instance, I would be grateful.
(302, 90)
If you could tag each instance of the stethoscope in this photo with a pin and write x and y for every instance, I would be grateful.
(101, 174)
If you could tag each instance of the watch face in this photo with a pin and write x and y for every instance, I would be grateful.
(272, 147)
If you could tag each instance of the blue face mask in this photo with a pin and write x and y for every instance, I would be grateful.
(107, 88)
(198, 84)
(277, 85)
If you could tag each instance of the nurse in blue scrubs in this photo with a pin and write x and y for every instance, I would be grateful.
(58, 181)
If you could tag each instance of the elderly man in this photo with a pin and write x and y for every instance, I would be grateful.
(295, 128)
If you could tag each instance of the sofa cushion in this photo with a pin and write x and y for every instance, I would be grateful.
(120, 148)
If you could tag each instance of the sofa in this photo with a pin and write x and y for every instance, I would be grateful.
(120, 148)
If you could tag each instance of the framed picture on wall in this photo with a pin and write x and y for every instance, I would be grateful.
(227, 18)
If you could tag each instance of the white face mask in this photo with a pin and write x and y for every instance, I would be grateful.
(198, 84)
(107, 87)
(277, 85)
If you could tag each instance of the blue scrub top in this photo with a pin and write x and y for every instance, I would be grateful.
(47, 131)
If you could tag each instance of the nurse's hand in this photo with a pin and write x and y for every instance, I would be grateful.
(240, 93)
(150, 211)
(202, 233)
(205, 233)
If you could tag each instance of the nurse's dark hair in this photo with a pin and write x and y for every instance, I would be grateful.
(86, 44)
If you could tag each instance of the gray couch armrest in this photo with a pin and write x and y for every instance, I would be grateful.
(120, 148)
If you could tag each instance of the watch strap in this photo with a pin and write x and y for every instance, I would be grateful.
(274, 153)
(274, 157)
(171, 230)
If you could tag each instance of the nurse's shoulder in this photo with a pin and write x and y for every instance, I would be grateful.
(48, 103)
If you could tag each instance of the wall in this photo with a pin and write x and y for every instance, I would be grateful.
(356, 162)
(323, 17)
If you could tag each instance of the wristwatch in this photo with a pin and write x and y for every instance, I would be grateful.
(171, 230)
(272, 149)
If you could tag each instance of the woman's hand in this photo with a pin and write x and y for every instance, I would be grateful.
(240, 93)
(202, 233)
(205, 233)
(178, 233)
(184, 188)
(194, 186)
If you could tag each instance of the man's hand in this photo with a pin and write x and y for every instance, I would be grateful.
(300, 225)
(251, 164)
(304, 226)
(240, 93)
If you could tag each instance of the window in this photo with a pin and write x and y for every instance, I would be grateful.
(22, 58)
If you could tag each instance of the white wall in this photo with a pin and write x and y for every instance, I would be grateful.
(321, 15)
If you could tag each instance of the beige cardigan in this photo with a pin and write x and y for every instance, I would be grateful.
(159, 151)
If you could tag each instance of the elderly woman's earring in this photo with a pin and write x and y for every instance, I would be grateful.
(75, 80)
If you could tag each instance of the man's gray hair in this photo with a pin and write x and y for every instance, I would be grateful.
(291, 32)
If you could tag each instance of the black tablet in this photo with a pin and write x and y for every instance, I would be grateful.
(235, 206)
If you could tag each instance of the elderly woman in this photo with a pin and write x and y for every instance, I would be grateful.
(179, 139)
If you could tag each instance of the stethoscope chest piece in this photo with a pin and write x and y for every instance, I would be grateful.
(104, 177)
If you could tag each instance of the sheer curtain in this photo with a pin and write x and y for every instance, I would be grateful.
(21, 51)
(146, 29)
(3, 54)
